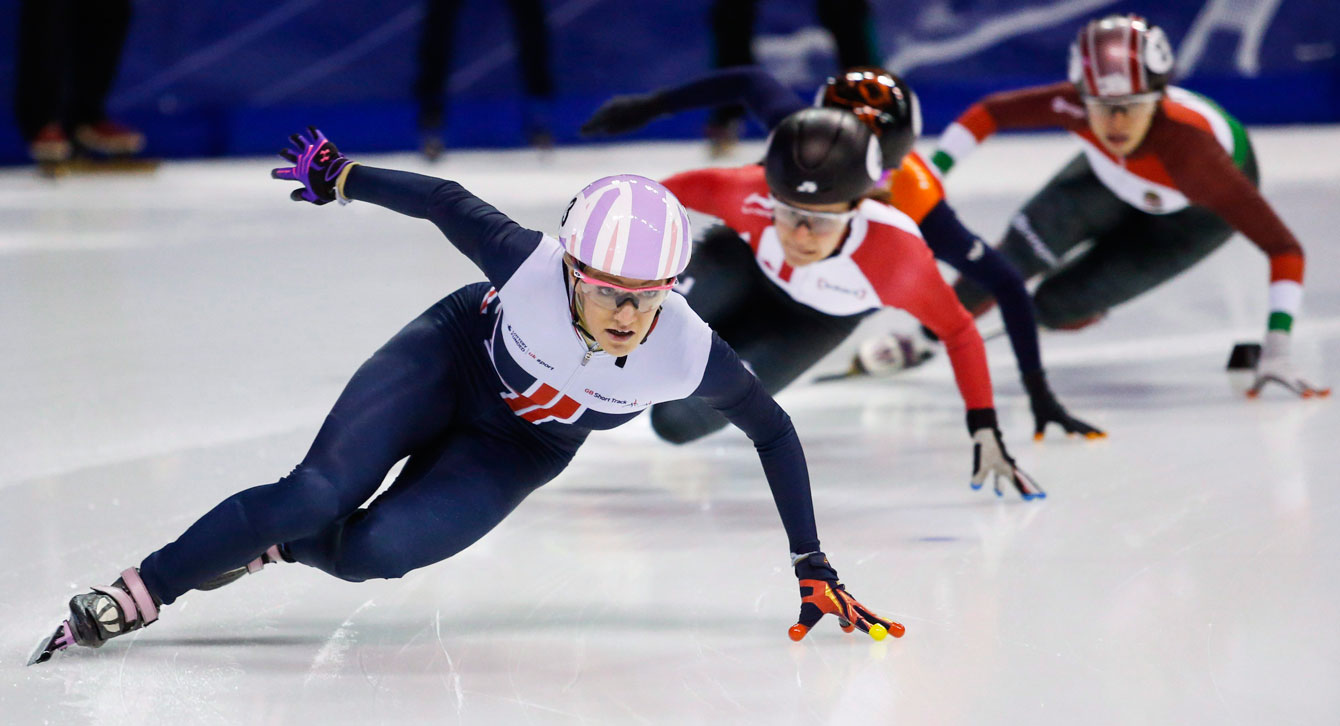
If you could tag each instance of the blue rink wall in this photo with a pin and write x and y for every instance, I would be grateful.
(214, 79)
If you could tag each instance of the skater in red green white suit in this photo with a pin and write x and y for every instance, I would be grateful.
(1166, 176)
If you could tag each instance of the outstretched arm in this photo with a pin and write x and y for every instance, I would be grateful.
(765, 97)
(1211, 178)
(488, 237)
(1055, 105)
(737, 394)
(731, 389)
(976, 260)
(904, 274)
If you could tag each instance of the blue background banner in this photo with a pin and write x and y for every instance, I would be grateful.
(207, 79)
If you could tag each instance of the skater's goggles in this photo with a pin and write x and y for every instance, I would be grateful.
(1124, 103)
(820, 223)
(612, 297)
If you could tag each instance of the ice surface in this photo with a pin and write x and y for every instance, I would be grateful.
(170, 339)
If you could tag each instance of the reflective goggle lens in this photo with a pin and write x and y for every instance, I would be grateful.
(612, 297)
(818, 222)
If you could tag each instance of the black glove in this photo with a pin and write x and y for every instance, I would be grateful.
(1046, 409)
(990, 457)
(821, 593)
(622, 114)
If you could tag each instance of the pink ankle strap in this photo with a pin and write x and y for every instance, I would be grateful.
(144, 602)
(270, 555)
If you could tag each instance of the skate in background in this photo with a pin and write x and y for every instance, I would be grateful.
(68, 56)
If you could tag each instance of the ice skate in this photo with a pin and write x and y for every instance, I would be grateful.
(103, 614)
(50, 145)
(274, 554)
(110, 138)
(885, 355)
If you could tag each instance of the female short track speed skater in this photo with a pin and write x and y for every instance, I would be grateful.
(803, 257)
(489, 394)
(1165, 178)
(888, 105)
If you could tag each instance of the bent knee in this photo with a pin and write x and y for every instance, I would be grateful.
(375, 561)
(1059, 317)
(296, 506)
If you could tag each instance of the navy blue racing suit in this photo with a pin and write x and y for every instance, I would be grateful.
(481, 431)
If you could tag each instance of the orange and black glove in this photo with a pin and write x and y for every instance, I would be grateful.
(821, 593)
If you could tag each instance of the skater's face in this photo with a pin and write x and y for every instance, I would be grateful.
(1120, 127)
(619, 314)
(810, 232)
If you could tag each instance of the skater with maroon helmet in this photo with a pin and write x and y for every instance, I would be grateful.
(1165, 178)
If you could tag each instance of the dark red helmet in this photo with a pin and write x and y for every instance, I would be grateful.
(883, 101)
(1121, 57)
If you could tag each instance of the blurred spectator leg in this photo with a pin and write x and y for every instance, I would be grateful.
(532, 44)
(732, 36)
(853, 31)
(435, 41)
(98, 29)
(39, 72)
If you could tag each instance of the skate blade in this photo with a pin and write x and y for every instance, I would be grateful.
(98, 165)
(853, 371)
(227, 578)
(61, 640)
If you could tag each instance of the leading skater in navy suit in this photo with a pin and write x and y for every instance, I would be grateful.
(489, 394)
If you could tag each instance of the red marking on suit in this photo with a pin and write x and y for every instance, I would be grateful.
(489, 297)
(541, 404)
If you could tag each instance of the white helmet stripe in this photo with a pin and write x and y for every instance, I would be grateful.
(618, 236)
(669, 246)
(601, 255)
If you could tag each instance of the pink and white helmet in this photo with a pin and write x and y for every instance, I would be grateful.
(630, 226)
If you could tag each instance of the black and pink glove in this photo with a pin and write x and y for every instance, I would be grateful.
(317, 164)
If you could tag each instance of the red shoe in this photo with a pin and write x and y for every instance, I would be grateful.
(50, 145)
(109, 137)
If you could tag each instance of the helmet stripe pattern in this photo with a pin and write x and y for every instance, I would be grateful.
(1090, 58)
(1120, 56)
(629, 226)
(595, 211)
(1135, 69)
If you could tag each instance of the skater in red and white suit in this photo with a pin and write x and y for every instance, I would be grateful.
(803, 257)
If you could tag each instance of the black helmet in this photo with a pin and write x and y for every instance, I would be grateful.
(883, 101)
(821, 156)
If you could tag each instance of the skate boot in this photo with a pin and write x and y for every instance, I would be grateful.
(892, 352)
(274, 554)
(50, 145)
(103, 614)
(110, 138)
